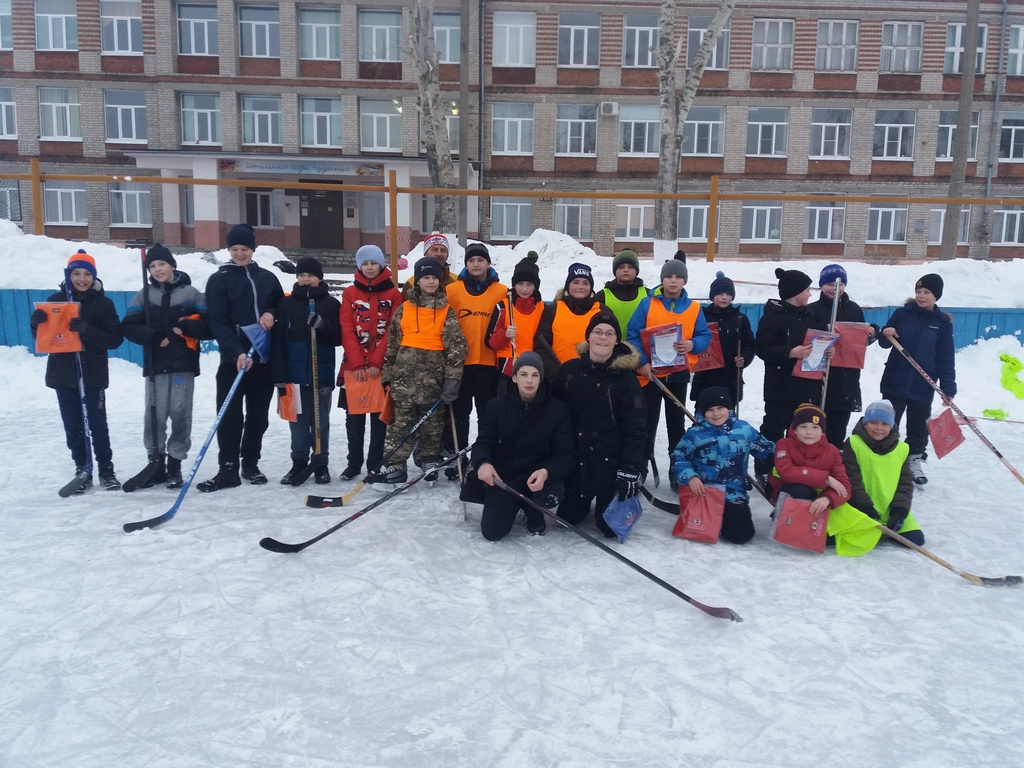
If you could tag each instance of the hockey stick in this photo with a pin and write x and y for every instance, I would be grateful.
(303, 474)
(949, 401)
(455, 443)
(831, 329)
(718, 613)
(153, 522)
(273, 545)
(654, 472)
(318, 501)
(664, 506)
(981, 581)
(79, 481)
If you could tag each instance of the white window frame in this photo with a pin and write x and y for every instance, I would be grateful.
(60, 120)
(200, 120)
(10, 201)
(953, 61)
(511, 134)
(56, 25)
(448, 37)
(634, 221)
(947, 135)
(771, 50)
(704, 136)
(1006, 220)
(579, 40)
(825, 222)
(937, 219)
(372, 122)
(261, 121)
(576, 135)
(886, 223)
(830, 135)
(8, 114)
(65, 203)
(125, 120)
(259, 35)
(901, 47)
(196, 30)
(510, 219)
(639, 123)
(1011, 138)
(131, 204)
(320, 34)
(691, 217)
(515, 39)
(1015, 51)
(6, 26)
(639, 37)
(380, 37)
(761, 129)
(837, 46)
(761, 222)
(696, 29)
(575, 218)
(894, 138)
(320, 121)
(121, 32)
(374, 212)
(268, 205)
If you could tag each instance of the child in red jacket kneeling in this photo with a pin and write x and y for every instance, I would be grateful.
(807, 466)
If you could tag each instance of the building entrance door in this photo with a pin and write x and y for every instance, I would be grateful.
(322, 212)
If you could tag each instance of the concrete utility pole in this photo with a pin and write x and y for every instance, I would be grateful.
(962, 141)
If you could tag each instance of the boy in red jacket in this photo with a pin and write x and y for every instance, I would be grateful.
(807, 466)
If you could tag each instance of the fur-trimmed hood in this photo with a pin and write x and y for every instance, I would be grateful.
(625, 358)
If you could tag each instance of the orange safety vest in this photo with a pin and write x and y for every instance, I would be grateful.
(569, 329)
(474, 315)
(526, 328)
(422, 326)
(658, 314)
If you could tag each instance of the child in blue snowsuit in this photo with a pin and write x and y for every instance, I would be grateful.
(715, 450)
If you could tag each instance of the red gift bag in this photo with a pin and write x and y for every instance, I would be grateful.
(796, 527)
(700, 517)
(819, 372)
(852, 347)
(712, 357)
(945, 433)
(387, 410)
(54, 335)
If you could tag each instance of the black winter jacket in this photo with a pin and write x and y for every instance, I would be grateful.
(102, 332)
(927, 335)
(783, 327)
(609, 414)
(169, 305)
(519, 438)
(237, 296)
(843, 383)
(737, 339)
(291, 348)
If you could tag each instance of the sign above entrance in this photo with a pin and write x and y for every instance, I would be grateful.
(300, 167)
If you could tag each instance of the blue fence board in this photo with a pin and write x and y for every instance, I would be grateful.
(969, 324)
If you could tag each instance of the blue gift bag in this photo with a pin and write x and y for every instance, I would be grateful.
(621, 516)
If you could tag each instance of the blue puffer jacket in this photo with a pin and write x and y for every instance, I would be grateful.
(237, 296)
(927, 335)
(291, 348)
(718, 455)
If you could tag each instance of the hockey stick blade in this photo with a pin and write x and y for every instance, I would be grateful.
(664, 506)
(143, 479)
(1003, 581)
(325, 502)
(153, 522)
(77, 484)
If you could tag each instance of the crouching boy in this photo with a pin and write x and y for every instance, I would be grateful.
(807, 466)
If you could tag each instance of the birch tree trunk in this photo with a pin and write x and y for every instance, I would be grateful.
(675, 106)
(423, 54)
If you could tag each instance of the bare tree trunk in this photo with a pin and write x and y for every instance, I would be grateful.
(423, 54)
(675, 106)
(962, 141)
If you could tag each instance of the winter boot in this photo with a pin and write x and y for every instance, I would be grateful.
(251, 472)
(429, 472)
(673, 481)
(227, 477)
(536, 525)
(917, 468)
(174, 473)
(87, 484)
(107, 477)
(322, 475)
(351, 472)
(297, 466)
(385, 478)
(451, 472)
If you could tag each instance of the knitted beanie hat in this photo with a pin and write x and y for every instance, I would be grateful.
(477, 249)
(831, 273)
(242, 234)
(310, 266)
(932, 282)
(427, 266)
(605, 317)
(369, 253)
(157, 252)
(579, 270)
(531, 359)
(625, 257)
(81, 260)
(526, 270)
(880, 410)
(712, 397)
(722, 284)
(792, 282)
(808, 414)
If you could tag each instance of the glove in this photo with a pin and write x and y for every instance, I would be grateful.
(314, 321)
(897, 517)
(77, 324)
(38, 317)
(450, 391)
(627, 484)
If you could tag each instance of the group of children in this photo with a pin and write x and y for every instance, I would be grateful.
(568, 394)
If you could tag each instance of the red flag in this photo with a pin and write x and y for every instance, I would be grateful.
(945, 433)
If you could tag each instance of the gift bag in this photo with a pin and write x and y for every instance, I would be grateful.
(852, 347)
(621, 516)
(796, 527)
(813, 367)
(945, 433)
(365, 396)
(54, 336)
(289, 404)
(661, 336)
(387, 409)
(700, 517)
(712, 357)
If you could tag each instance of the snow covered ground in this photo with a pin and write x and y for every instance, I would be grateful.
(405, 640)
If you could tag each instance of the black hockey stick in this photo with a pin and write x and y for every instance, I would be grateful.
(664, 506)
(718, 613)
(273, 545)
